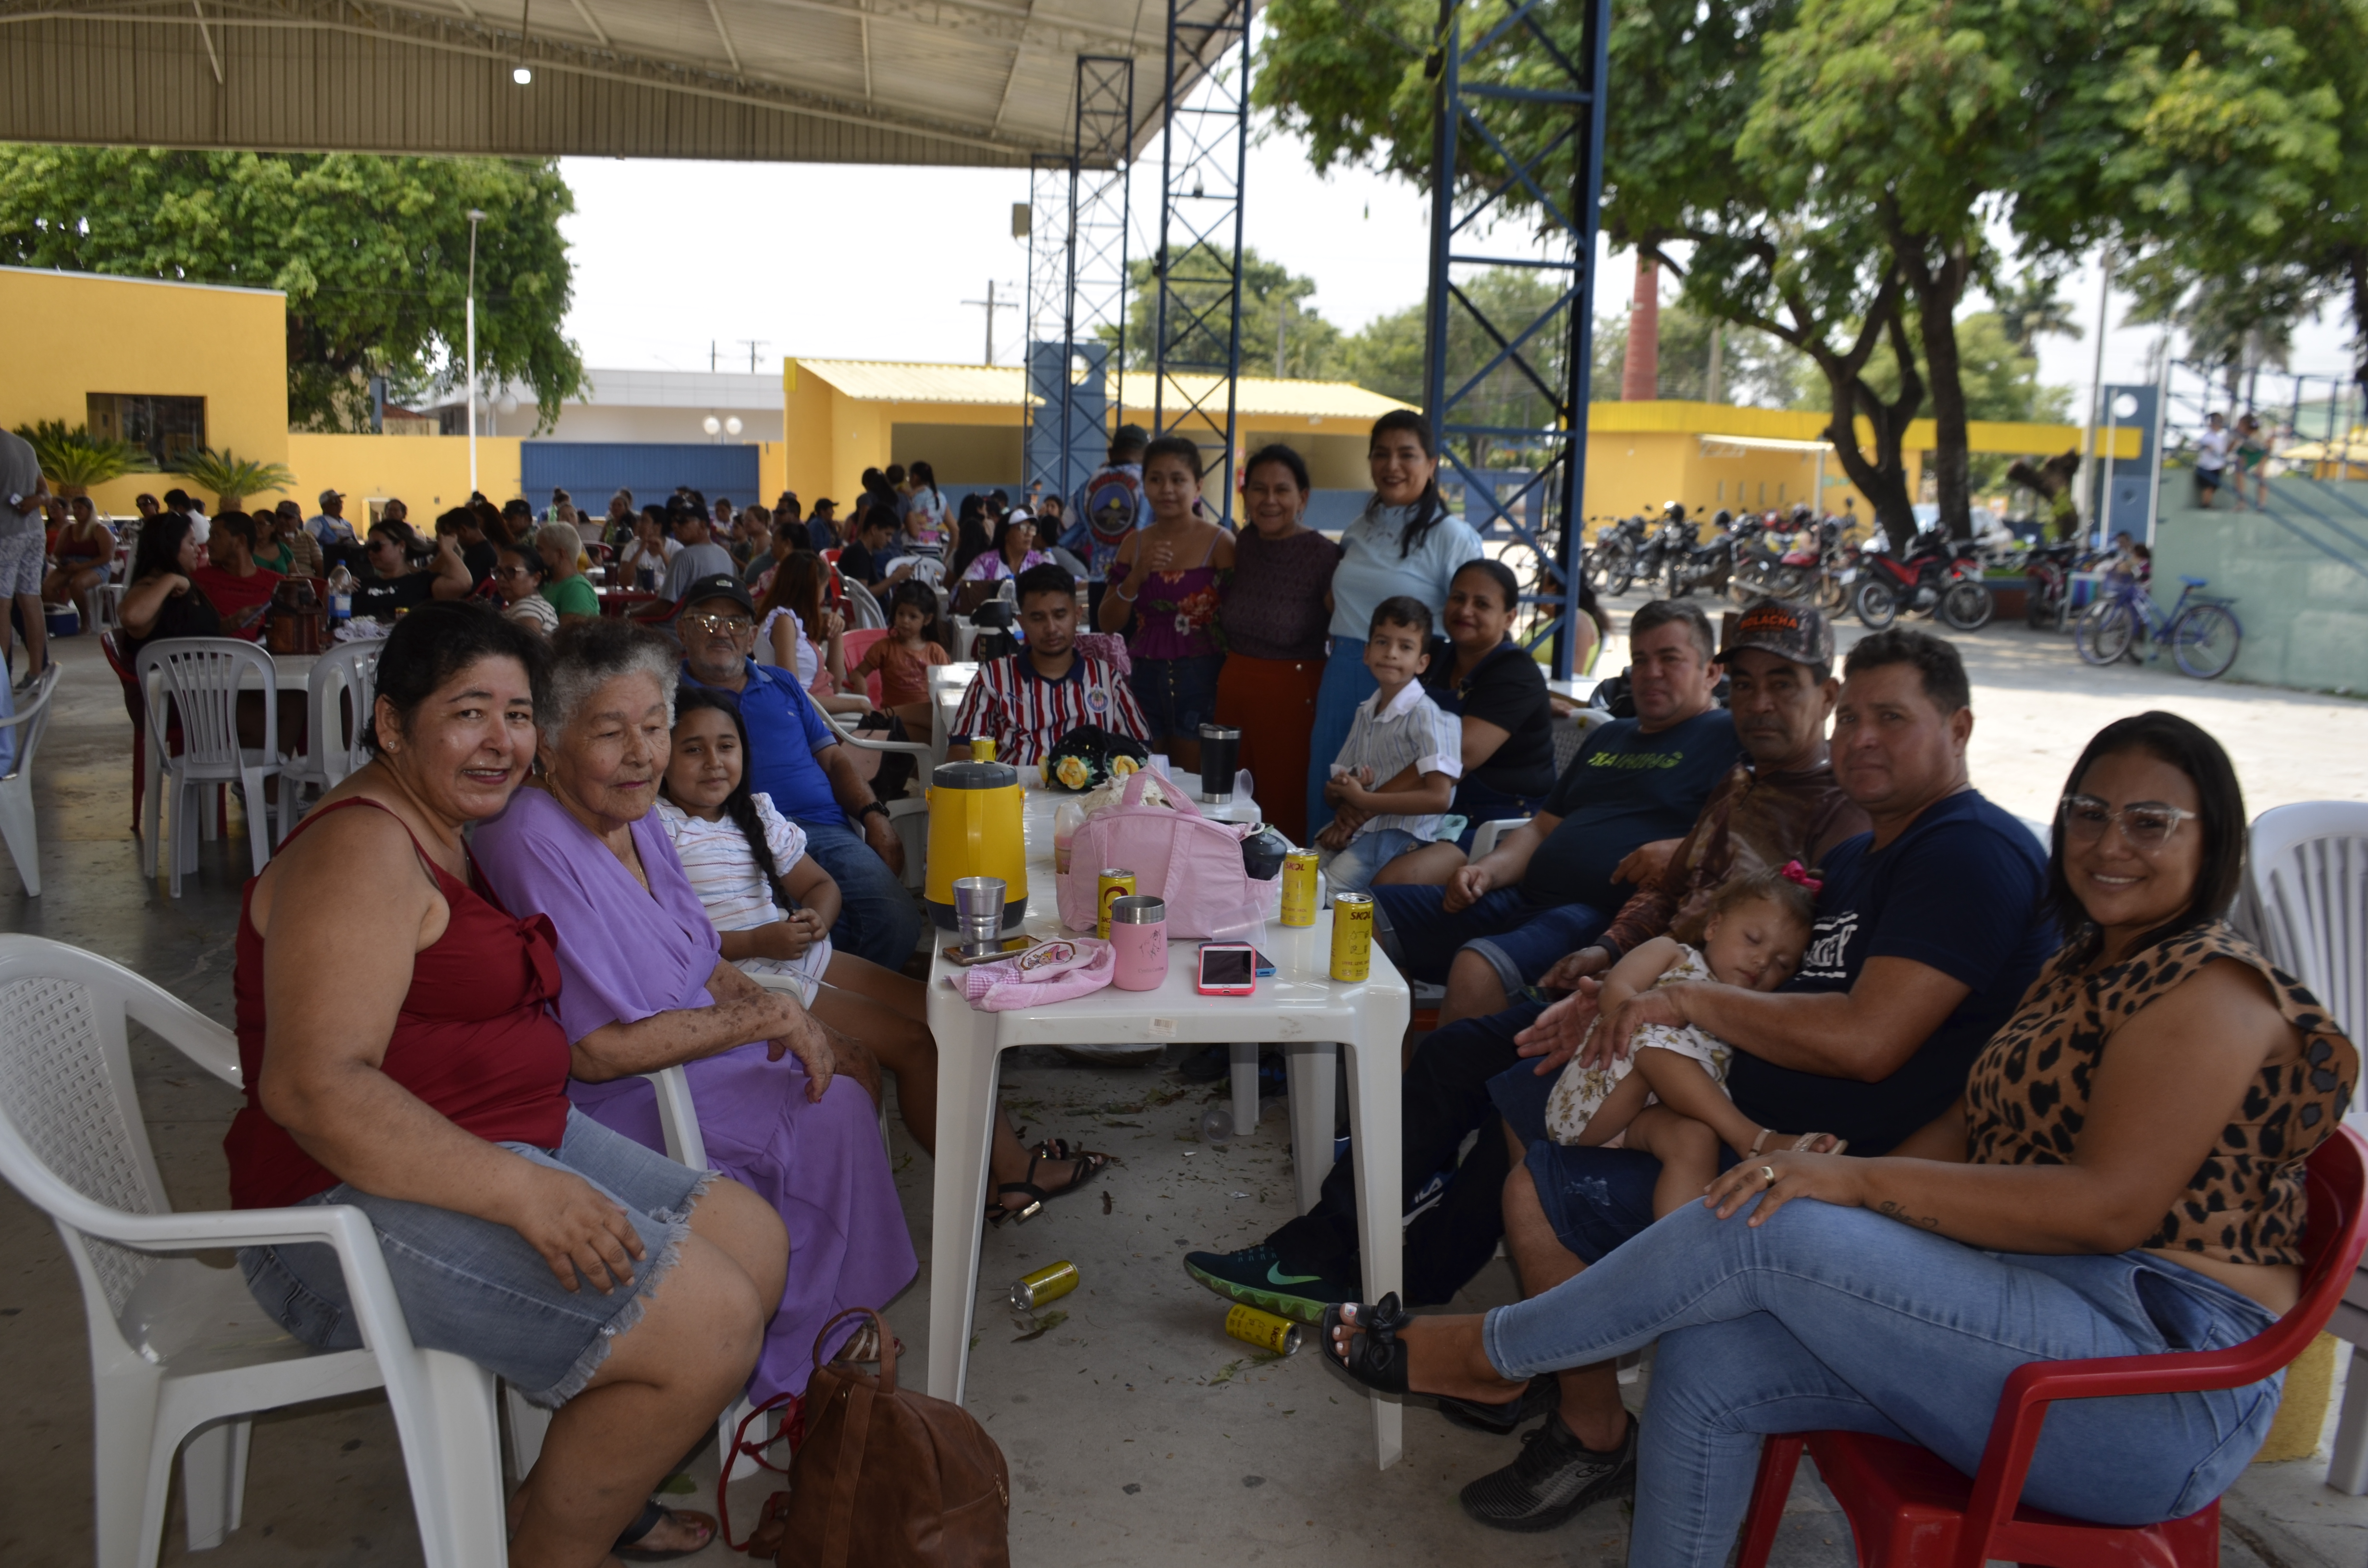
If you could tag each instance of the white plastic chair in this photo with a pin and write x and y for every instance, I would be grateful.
(2305, 902)
(181, 1356)
(107, 606)
(329, 756)
(16, 826)
(1485, 836)
(201, 677)
(863, 612)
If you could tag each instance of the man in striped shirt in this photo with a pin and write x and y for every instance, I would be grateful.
(1027, 702)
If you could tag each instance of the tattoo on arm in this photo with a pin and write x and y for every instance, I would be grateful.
(1899, 1212)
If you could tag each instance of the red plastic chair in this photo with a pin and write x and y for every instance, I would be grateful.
(852, 646)
(1909, 1509)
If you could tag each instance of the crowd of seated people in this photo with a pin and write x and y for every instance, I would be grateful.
(1765, 1035)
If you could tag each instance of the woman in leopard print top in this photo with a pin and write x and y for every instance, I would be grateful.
(2123, 1177)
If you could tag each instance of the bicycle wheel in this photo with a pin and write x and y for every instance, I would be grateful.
(2105, 631)
(2205, 640)
(1967, 605)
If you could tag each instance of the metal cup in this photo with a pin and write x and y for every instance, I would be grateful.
(978, 912)
(1221, 757)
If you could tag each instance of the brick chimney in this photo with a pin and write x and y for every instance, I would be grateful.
(1640, 376)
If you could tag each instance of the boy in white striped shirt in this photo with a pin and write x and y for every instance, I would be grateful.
(1397, 771)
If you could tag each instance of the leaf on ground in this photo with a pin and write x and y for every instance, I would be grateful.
(1121, 1124)
(678, 1486)
(1225, 1374)
(1045, 1325)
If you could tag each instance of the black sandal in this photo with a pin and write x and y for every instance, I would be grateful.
(1378, 1358)
(652, 1515)
(1088, 1165)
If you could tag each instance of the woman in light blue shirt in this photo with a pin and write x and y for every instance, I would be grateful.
(1405, 543)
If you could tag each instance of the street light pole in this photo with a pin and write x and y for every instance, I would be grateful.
(475, 218)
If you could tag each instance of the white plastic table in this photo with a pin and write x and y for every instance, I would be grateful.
(1299, 1008)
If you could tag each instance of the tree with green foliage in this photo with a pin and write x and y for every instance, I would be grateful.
(2032, 306)
(371, 252)
(1199, 320)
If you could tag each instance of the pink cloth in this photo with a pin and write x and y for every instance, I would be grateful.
(1047, 972)
(1109, 647)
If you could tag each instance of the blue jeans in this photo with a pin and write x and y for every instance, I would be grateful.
(877, 917)
(1177, 695)
(1520, 941)
(475, 1288)
(1840, 1318)
(1346, 682)
(1354, 868)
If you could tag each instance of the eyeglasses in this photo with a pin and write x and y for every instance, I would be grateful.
(2147, 824)
(735, 624)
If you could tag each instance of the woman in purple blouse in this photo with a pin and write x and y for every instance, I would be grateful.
(1277, 608)
(645, 983)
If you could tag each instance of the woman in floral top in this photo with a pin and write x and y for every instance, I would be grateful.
(1173, 606)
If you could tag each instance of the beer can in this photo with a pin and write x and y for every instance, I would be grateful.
(1299, 888)
(982, 748)
(1264, 1330)
(1116, 883)
(1049, 1283)
(1352, 936)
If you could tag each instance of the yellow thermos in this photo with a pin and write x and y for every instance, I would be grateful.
(974, 831)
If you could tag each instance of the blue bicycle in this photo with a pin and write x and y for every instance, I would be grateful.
(2200, 631)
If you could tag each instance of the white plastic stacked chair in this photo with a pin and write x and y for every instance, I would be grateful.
(2305, 904)
(181, 1356)
(347, 669)
(30, 723)
(199, 677)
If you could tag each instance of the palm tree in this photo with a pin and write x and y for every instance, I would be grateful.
(75, 459)
(233, 478)
(2031, 309)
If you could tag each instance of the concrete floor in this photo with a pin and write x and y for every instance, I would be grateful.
(1135, 1430)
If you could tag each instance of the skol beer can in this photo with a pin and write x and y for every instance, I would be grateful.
(1264, 1330)
(1116, 883)
(1047, 1284)
(1352, 936)
(1299, 888)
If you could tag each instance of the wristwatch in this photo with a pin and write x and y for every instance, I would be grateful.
(870, 806)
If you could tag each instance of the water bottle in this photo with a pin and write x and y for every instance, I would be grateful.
(341, 595)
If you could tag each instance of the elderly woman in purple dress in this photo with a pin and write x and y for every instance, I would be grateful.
(783, 1110)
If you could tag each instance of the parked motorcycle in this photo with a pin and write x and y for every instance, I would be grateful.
(1938, 577)
(1688, 565)
(1612, 560)
(2048, 605)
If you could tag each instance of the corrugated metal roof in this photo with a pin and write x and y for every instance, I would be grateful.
(948, 82)
(887, 382)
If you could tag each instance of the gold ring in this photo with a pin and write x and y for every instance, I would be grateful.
(1770, 1172)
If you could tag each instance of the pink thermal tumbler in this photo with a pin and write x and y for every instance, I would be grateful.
(1139, 932)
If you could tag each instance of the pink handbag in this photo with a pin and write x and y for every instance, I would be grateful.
(1180, 856)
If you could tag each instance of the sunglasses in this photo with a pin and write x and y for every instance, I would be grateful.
(735, 624)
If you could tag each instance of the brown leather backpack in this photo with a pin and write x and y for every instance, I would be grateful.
(890, 1478)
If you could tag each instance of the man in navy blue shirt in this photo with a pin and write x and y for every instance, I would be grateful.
(795, 757)
(1547, 889)
(1928, 930)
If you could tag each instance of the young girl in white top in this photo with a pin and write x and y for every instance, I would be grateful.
(1667, 1096)
(742, 857)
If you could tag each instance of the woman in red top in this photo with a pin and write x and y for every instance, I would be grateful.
(400, 1056)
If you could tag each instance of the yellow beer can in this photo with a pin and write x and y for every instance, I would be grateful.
(1116, 881)
(1352, 936)
(982, 748)
(1049, 1283)
(1264, 1330)
(1299, 888)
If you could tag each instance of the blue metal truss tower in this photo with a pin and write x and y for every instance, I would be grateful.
(1197, 356)
(1077, 280)
(1518, 141)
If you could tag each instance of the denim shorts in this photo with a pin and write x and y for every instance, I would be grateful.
(1519, 940)
(475, 1288)
(1595, 1198)
(1177, 696)
(1354, 868)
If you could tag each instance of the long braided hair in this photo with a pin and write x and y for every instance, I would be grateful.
(741, 804)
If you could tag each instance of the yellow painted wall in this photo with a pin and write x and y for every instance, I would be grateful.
(429, 473)
(71, 335)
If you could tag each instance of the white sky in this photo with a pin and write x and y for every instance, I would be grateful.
(866, 262)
